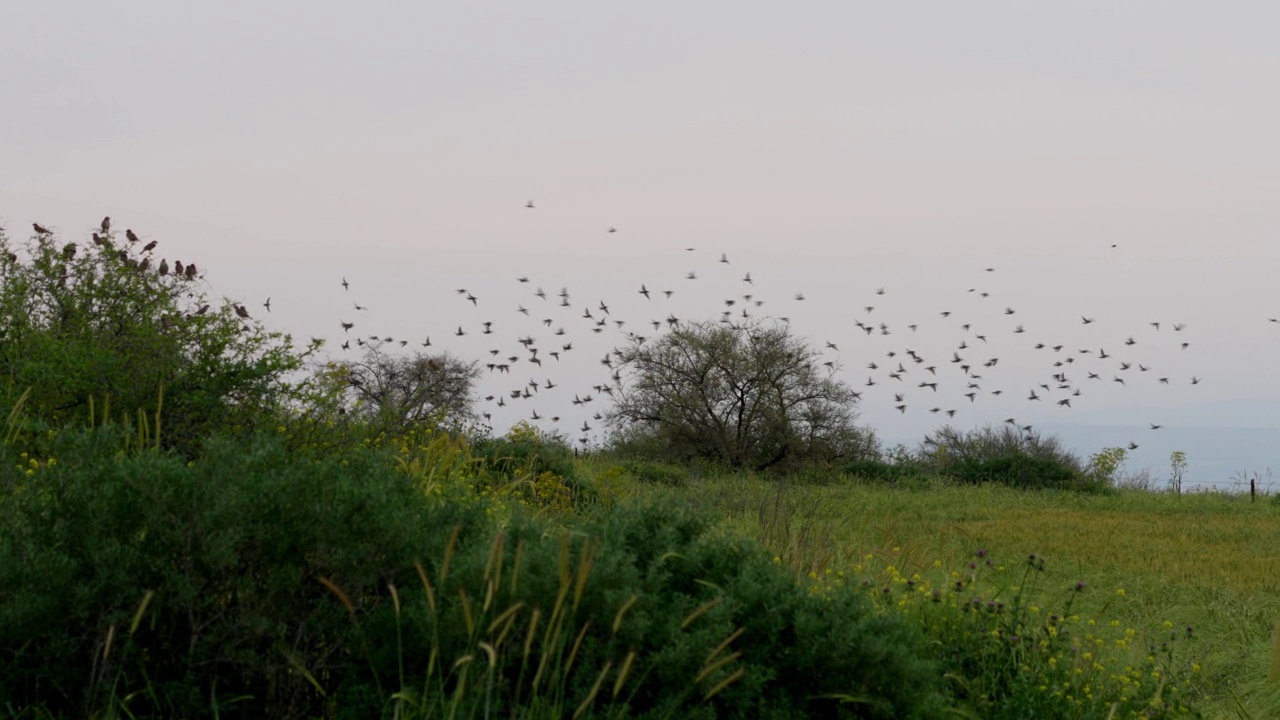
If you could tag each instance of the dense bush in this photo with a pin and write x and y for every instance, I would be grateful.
(645, 613)
(1010, 651)
(658, 473)
(254, 582)
(108, 327)
(229, 550)
(1018, 470)
(1008, 456)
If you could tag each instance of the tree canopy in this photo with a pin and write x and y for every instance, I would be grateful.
(107, 323)
(744, 395)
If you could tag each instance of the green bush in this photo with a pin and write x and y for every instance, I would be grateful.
(643, 613)
(228, 549)
(1011, 651)
(1018, 470)
(99, 330)
(1004, 455)
(893, 473)
(657, 473)
(255, 583)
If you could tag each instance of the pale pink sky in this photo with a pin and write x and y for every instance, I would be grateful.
(829, 148)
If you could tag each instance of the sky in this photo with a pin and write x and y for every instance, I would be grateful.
(1111, 161)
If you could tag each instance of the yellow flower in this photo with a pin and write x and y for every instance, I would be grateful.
(1119, 592)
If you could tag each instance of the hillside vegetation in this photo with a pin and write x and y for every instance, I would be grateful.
(200, 519)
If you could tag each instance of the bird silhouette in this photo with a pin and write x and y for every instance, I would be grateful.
(239, 309)
(40, 229)
(128, 233)
(267, 304)
(106, 225)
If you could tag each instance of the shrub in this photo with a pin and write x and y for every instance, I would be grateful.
(884, 471)
(643, 613)
(254, 583)
(104, 324)
(657, 473)
(226, 551)
(1008, 456)
(1007, 657)
(1018, 470)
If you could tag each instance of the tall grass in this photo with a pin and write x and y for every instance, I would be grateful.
(1203, 561)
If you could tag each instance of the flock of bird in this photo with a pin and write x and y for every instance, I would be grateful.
(536, 336)
(538, 333)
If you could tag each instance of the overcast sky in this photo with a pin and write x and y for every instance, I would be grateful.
(1116, 161)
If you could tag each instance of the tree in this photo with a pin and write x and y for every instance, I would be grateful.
(748, 396)
(107, 327)
(394, 393)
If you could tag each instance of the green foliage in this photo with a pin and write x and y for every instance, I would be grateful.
(1177, 470)
(750, 396)
(1104, 466)
(1007, 456)
(254, 582)
(1018, 470)
(101, 324)
(887, 471)
(227, 549)
(1008, 657)
(642, 613)
(657, 473)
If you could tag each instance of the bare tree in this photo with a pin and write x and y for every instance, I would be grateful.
(401, 391)
(750, 395)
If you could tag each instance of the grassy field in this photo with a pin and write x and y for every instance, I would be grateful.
(1148, 561)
